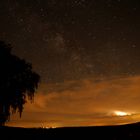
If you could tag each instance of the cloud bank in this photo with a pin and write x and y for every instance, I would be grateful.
(83, 102)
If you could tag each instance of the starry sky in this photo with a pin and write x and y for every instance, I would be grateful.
(87, 53)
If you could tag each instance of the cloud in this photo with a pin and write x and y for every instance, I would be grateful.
(85, 102)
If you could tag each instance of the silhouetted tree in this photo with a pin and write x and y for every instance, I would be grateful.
(17, 83)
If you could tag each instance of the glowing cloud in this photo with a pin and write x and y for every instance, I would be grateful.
(121, 113)
(83, 103)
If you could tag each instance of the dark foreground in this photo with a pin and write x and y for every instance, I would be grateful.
(124, 132)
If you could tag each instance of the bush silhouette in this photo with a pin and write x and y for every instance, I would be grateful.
(17, 83)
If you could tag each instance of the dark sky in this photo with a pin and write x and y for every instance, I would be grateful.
(66, 40)
(84, 49)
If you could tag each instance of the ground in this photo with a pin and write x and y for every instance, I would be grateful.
(121, 132)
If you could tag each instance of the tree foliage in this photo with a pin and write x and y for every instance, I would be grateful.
(17, 83)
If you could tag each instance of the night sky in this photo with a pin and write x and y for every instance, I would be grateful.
(87, 53)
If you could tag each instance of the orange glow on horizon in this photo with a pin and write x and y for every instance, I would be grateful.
(107, 102)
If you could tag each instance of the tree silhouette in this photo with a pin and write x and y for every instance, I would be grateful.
(17, 83)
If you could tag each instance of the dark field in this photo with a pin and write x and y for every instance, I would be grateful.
(122, 132)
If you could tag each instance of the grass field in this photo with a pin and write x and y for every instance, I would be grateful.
(121, 132)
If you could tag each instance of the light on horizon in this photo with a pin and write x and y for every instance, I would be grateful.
(121, 113)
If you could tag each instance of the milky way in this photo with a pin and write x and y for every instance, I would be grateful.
(75, 39)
